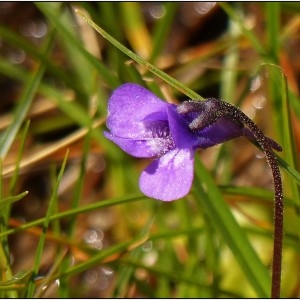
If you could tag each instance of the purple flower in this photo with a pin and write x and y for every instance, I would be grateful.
(143, 125)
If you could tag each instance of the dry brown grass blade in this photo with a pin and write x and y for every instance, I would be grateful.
(54, 147)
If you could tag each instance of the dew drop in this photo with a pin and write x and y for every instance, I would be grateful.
(259, 102)
(36, 29)
(157, 11)
(203, 8)
(147, 246)
(91, 276)
(94, 238)
(107, 271)
(150, 258)
(255, 84)
(17, 56)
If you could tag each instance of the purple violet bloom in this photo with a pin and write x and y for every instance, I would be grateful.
(145, 126)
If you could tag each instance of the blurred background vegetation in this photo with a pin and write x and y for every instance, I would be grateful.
(84, 229)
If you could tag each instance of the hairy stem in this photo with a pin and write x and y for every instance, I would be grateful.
(278, 191)
(206, 113)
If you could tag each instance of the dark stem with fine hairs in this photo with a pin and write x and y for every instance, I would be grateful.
(209, 112)
(266, 145)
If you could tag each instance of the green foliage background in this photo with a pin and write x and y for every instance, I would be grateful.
(73, 221)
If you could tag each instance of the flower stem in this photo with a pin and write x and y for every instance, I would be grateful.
(209, 112)
(278, 226)
(278, 191)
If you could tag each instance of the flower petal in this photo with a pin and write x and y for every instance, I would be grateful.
(169, 177)
(128, 106)
(221, 131)
(183, 137)
(142, 148)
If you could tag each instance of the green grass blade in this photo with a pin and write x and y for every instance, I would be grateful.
(181, 277)
(72, 109)
(134, 25)
(7, 275)
(60, 74)
(77, 195)
(105, 253)
(162, 28)
(9, 200)
(19, 278)
(295, 175)
(24, 103)
(175, 83)
(125, 274)
(47, 219)
(229, 71)
(254, 193)
(13, 181)
(289, 146)
(220, 215)
(78, 210)
(241, 24)
(272, 10)
(50, 10)
(5, 266)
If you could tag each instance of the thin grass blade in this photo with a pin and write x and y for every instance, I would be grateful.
(47, 219)
(220, 215)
